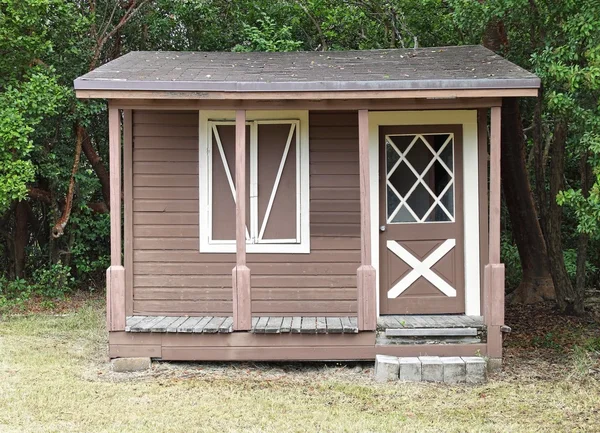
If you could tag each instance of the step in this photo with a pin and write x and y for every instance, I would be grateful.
(430, 321)
(431, 332)
(446, 369)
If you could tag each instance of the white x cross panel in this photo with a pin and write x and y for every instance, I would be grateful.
(421, 268)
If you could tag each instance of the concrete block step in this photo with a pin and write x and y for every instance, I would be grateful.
(446, 369)
(431, 332)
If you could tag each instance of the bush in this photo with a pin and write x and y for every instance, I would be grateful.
(54, 281)
(15, 290)
(571, 265)
(512, 263)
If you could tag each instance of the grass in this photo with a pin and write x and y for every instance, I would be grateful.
(54, 377)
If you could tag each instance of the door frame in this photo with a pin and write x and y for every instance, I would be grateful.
(471, 204)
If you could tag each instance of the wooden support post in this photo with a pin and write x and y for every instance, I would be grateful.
(366, 276)
(495, 185)
(115, 274)
(128, 208)
(483, 157)
(494, 271)
(242, 308)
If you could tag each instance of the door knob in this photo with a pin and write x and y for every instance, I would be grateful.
(382, 228)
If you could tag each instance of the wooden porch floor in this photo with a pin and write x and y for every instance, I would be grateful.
(430, 321)
(260, 325)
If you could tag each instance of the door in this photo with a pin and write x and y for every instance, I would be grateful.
(421, 220)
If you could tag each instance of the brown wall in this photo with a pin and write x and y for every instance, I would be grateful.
(172, 277)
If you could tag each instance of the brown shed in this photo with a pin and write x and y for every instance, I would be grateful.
(306, 206)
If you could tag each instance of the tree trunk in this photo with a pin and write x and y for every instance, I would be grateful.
(584, 239)
(21, 236)
(569, 300)
(536, 284)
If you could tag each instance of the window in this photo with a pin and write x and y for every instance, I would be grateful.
(420, 178)
(277, 182)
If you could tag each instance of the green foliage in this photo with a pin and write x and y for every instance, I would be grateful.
(548, 341)
(23, 106)
(14, 293)
(268, 36)
(53, 281)
(570, 256)
(90, 255)
(510, 257)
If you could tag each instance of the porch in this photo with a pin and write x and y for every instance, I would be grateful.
(297, 324)
(305, 338)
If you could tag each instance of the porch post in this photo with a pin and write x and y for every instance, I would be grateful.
(494, 271)
(366, 276)
(115, 274)
(242, 311)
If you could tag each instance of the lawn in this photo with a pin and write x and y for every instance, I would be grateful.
(54, 377)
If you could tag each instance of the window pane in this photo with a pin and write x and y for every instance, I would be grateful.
(430, 156)
(419, 156)
(403, 216)
(223, 170)
(420, 201)
(274, 144)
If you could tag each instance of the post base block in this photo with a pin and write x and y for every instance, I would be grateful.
(115, 298)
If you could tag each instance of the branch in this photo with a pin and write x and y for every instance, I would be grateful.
(59, 227)
(97, 166)
(316, 23)
(132, 9)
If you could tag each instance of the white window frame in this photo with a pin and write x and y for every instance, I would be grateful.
(254, 241)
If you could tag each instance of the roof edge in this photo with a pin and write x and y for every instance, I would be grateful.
(83, 83)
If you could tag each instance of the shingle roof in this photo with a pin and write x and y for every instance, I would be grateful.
(394, 69)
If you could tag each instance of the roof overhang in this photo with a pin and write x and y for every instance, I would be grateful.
(424, 73)
(310, 95)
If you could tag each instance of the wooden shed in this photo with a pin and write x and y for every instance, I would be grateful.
(306, 205)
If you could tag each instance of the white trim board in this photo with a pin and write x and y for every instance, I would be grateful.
(299, 119)
(467, 118)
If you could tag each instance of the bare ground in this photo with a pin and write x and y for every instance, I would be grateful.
(54, 377)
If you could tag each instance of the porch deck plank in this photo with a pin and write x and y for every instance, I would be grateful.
(162, 325)
(309, 325)
(390, 322)
(188, 325)
(132, 321)
(286, 325)
(274, 325)
(146, 324)
(296, 325)
(174, 326)
(334, 325)
(349, 326)
(321, 325)
(261, 325)
(227, 326)
(199, 327)
(212, 327)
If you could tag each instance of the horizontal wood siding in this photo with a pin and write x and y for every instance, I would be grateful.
(171, 277)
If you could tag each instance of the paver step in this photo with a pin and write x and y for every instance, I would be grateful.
(447, 369)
